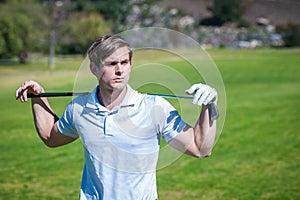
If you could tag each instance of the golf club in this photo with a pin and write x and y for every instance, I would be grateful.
(213, 110)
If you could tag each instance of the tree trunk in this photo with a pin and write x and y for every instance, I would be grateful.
(52, 48)
(23, 57)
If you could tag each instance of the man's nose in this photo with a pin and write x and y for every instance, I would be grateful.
(119, 68)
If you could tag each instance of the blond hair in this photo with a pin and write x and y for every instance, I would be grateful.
(105, 46)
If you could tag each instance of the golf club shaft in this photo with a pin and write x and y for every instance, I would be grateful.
(65, 94)
(57, 94)
(213, 110)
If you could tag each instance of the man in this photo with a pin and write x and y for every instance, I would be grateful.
(119, 127)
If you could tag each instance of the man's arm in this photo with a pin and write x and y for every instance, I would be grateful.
(198, 141)
(44, 117)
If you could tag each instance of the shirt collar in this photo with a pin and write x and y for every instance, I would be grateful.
(128, 101)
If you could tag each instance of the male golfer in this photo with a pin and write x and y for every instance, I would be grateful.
(120, 127)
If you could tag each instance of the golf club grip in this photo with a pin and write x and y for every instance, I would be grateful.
(213, 111)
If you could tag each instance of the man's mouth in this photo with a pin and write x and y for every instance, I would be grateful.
(118, 79)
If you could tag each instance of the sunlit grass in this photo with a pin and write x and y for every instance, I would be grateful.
(256, 157)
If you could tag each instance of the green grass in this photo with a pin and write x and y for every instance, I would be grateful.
(256, 157)
(257, 154)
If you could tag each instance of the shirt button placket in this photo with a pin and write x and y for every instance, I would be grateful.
(102, 120)
(108, 123)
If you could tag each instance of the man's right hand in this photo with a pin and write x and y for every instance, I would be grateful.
(28, 87)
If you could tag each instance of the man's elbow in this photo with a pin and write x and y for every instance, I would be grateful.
(205, 150)
(50, 144)
(204, 154)
(199, 154)
(50, 139)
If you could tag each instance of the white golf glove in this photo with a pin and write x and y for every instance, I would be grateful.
(203, 94)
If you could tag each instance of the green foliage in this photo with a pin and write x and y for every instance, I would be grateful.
(80, 30)
(114, 11)
(224, 11)
(14, 31)
(20, 28)
(11, 44)
(291, 35)
(27, 29)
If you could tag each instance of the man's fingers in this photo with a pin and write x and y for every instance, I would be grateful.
(204, 97)
(208, 99)
(203, 94)
(200, 96)
(193, 88)
(21, 94)
(24, 95)
(18, 94)
(27, 87)
(210, 95)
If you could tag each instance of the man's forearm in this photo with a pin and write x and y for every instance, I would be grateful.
(44, 117)
(206, 132)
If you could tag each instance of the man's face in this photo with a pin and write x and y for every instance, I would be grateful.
(115, 70)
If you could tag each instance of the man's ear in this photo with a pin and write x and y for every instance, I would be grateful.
(94, 69)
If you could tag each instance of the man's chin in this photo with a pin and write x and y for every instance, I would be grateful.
(119, 85)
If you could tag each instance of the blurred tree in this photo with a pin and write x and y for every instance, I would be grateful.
(224, 11)
(58, 13)
(11, 43)
(80, 30)
(72, 26)
(147, 13)
(21, 23)
(114, 11)
(291, 34)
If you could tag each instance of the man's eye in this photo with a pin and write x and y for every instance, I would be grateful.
(113, 63)
(124, 62)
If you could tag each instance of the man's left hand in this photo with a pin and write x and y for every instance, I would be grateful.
(203, 94)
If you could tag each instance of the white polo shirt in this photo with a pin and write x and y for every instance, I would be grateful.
(121, 145)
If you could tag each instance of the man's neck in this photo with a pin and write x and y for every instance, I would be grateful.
(111, 98)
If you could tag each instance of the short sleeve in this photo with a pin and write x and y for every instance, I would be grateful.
(65, 124)
(171, 123)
